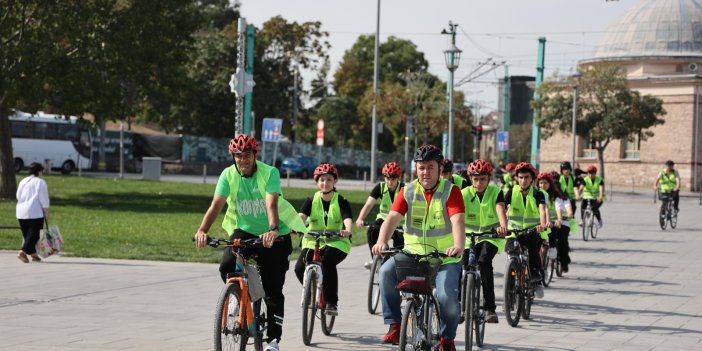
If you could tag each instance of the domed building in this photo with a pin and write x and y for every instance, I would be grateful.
(659, 43)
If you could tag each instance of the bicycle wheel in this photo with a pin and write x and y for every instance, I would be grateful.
(512, 299)
(309, 306)
(433, 325)
(261, 313)
(673, 217)
(543, 257)
(374, 285)
(479, 319)
(587, 224)
(409, 328)
(559, 269)
(327, 323)
(663, 216)
(469, 308)
(527, 296)
(550, 269)
(228, 333)
(594, 231)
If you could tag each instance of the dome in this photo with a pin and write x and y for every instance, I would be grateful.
(667, 28)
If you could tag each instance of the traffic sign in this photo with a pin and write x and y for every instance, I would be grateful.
(272, 128)
(502, 141)
(320, 132)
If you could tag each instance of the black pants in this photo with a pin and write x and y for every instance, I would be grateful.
(485, 253)
(595, 208)
(532, 242)
(273, 263)
(30, 231)
(676, 199)
(573, 206)
(331, 257)
(373, 233)
(559, 240)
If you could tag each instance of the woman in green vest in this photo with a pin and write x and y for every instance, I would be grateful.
(669, 181)
(592, 190)
(485, 210)
(326, 210)
(385, 192)
(559, 211)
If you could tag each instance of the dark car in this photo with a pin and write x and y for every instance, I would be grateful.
(299, 166)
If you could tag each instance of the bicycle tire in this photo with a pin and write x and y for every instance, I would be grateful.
(673, 217)
(479, 320)
(543, 258)
(511, 293)
(663, 216)
(327, 323)
(594, 231)
(309, 308)
(433, 330)
(409, 325)
(587, 223)
(559, 269)
(469, 309)
(261, 312)
(527, 296)
(227, 334)
(550, 269)
(374, 285)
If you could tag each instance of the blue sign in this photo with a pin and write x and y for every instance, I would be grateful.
(444, 143)
(502, 141)
(272, 128)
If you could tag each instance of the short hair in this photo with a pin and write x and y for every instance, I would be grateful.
(35, 168)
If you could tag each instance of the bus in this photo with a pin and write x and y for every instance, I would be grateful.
(64, 142)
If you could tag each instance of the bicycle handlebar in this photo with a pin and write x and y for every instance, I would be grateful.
(523, 231)
(398, 229)
(216, 242)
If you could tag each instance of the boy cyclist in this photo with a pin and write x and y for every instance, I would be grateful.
(669, 181)
(569, 184)
(592, 190)
(485, 210)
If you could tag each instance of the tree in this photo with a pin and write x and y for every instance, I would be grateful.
(607, 109)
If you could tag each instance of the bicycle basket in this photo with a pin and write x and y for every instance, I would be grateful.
(416, 276)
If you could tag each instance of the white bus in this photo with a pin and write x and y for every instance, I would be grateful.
(45, 137)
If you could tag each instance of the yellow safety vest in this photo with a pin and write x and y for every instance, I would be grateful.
(667, 181)
(521, 216)
(568, 185)
(334, 222)
(386, 203)
(592, 189)
(481, 215)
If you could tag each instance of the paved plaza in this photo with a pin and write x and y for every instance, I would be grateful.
(633, 288)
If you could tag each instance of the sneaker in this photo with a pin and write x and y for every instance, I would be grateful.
(564, 268)
(539, 292)
(393, 335)
(272, 346)
(491, 317)
(331, 310)
(368, 265)
(552, 253)
(447, 345)
(599, 224)
(22, 257)
(36, 258)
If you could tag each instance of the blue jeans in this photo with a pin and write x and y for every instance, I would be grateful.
(447, 281)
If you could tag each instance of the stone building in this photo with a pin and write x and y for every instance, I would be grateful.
(659, 43)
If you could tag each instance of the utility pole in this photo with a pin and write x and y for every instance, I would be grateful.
(376, 73)
(248, 117)
(506, 87)
(452, 57)
(535, 130)
(294, 110)
(241, 82)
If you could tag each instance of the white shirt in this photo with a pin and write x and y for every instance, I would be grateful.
(563, 205)
(32, 198)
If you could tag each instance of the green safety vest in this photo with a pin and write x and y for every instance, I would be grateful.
(521, 216)
(457, 180)
(428, 226)
(386, 203)
(481, 215)
(334, 222)
(591, 189)
(508, 182)
(552, 215)
(286, 212)
(568, 185)
(667, 181)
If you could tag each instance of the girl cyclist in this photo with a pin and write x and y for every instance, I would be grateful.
(559, 211)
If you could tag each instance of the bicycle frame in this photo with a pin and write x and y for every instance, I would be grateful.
(316, 267)
(247, 317)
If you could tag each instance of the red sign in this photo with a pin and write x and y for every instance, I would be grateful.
(320, 132)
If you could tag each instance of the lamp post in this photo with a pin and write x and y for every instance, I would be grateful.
(452, 55)
(576, 78)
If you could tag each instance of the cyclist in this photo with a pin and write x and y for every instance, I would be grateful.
(386, 192)
(251, 189)
(326, 210)
(508, 178)
(669, 181)
(527, 208)
(592, 190)
(447, 173)
(435, 220)
(559, 210)
(485, 210)
(569, 183)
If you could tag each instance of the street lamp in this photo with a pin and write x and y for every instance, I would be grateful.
(452, 55)
(576, 78)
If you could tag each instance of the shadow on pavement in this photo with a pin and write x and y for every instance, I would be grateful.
(607, 280)
(596, 292)
(614, 265)
(95, 263)
(368, 342)
(608, 250)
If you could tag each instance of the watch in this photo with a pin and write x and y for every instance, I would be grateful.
(272, 228)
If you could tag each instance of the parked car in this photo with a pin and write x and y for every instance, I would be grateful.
(299, 166)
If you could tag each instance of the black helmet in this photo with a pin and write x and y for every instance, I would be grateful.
(670, 163)
(566, 165)
(448, 165)
(428, 153)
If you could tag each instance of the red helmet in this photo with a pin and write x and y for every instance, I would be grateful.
(325, 168)
(479, 167)
(448, 165)
(544, 175)
(392, 169)
(525, 167)
(509, 166)
(591, 168)
(242, 143)
(555, 175)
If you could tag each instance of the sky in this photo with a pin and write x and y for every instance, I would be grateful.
(496, 30)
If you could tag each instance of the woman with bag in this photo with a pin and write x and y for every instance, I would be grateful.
(32, 210)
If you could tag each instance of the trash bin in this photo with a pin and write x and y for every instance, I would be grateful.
(151, 168)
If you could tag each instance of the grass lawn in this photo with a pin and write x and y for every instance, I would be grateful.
(138, 219)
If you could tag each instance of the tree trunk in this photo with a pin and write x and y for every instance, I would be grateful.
(600, 159)
(8, 183)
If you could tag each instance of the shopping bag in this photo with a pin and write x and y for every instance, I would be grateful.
(50, 241)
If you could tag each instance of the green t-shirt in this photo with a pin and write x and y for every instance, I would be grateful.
(250, 206)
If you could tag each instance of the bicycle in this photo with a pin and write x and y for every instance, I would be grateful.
(416, 275)
(373, 279)
(239, 316)
(519, 287)
(667, 212)
(472, 311)
(589, 227)
(313, 292)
